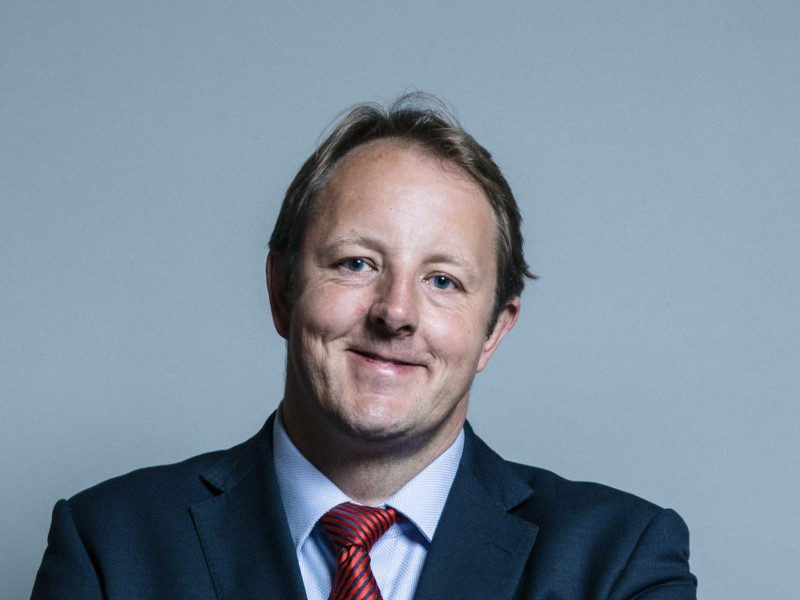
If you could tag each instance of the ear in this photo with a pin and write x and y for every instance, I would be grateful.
(505, 321)
(278, 294)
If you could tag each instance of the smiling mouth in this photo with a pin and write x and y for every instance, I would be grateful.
(383, 359)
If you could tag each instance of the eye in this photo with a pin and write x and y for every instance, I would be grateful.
(442, 282)
(356, 265)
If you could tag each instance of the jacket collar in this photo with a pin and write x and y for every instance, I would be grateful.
(480, 548)
(243, 529)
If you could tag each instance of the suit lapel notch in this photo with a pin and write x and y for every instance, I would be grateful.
(243, 530)
(479, 549)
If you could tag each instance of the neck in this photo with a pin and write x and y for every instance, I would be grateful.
(368, 470)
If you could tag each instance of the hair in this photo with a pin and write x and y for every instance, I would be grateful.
(425, 123)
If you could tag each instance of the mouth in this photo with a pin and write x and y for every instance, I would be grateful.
(387, 360)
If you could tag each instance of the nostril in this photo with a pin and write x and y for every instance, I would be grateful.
(387, 320)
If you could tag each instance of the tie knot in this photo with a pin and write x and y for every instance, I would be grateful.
(351, 524)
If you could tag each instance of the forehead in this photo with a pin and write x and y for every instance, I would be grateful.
(373, 157)
(394, 174)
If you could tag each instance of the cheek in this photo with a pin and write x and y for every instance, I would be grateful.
(456, 335)
(324, 313)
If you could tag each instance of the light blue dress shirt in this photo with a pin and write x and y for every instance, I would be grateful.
(397, 557)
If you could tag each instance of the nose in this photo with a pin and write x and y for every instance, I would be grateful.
(395, 308)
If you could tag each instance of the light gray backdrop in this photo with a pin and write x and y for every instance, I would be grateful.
(653, 147)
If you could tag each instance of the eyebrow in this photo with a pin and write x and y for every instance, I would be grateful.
(328, 250)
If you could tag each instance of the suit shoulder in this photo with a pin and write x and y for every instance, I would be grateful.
(555, 494)
(180, 484)
(174, 474)
(603, 542)
(575, 515)
(540, 495)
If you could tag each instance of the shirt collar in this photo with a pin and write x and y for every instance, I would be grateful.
(307, 494)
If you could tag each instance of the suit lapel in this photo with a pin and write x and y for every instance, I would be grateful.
(243, 529)
(479, 549)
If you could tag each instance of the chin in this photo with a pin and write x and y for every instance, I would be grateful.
(374, 420)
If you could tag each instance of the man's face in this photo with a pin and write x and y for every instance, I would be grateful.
(393, 293)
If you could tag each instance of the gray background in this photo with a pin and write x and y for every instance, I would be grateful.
(653, 147)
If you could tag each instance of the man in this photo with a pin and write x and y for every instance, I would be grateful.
(394, 272)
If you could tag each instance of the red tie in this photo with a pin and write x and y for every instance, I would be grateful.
(353, 529)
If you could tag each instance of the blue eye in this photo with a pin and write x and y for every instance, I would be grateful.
(442, 282)
(355, 264)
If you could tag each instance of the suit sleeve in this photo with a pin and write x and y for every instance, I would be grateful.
(658, 567)
(66, 571)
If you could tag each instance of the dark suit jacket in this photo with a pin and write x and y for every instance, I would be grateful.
(214, 527)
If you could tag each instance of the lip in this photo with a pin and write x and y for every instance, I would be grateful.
(383, 360)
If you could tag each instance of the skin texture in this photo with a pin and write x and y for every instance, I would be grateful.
(386, 326)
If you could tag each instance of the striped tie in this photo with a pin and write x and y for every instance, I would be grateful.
(353, 529)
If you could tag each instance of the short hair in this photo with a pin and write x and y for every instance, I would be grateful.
(425, 123)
